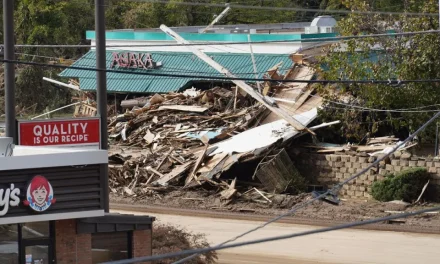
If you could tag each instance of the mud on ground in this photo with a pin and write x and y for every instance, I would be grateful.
(318, 210)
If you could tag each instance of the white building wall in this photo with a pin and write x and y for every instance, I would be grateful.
(261, 48)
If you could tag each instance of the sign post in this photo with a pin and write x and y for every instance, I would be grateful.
(78, 132)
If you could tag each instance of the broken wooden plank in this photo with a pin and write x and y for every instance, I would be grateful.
(155, 171)
(177, 171)
(196, 165)
(243, 85)
(186, 108)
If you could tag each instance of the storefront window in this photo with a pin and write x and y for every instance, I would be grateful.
(109, 246)
(35, 230)
(9, 244)
(36, 244)
(37, 255)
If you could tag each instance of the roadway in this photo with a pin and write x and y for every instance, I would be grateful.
(343, 246)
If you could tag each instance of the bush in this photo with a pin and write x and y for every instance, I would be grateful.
(167, 239)
(405, 185)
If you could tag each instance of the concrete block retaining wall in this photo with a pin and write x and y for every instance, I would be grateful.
(329, 169)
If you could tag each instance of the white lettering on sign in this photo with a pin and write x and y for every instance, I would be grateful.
(9, 197)
(61, 133)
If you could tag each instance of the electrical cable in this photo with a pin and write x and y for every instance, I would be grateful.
(333, 190)
(270, 239)
(325, 39)
(237, 6)
(387, 82)
(381, 110)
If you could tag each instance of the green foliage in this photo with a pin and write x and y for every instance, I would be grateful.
(396, 58)
(405, 185)
(31, 89)
(66, 21)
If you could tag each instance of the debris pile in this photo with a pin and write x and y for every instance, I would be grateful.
(373, 147)
(174, 131)
(191, 139)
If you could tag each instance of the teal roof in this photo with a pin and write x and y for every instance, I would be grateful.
(216, 37)
(182, 63)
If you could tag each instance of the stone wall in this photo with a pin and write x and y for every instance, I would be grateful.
(329, 169)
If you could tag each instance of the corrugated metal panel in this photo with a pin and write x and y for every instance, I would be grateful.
(182, 63)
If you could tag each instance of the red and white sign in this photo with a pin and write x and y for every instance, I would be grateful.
(60, 133)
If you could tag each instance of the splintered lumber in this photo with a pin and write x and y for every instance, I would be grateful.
(186, 108)
(170, 139)
(249, 90)
(174, 173)
(196, 165)
(155, 171)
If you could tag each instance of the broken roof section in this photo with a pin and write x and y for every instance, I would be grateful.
(175, 63)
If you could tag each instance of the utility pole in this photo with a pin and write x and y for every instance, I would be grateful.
(247, 88)
(101, 87)
(8, 38)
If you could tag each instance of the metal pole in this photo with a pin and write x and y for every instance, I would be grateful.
(101, 87)
(436, 140)
(8, 38)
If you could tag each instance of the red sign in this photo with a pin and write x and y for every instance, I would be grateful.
(72, 132)
(133, 60)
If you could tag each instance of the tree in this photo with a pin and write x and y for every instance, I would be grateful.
(398, 58)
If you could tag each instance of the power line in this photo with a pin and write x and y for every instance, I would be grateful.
(270, 239)
(305, 40)
(386, 82)
(352, 107)
(333, 190)
(238, 6)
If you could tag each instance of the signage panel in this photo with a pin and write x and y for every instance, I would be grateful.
(77, 132)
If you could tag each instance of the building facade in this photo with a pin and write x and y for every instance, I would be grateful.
(146, 61)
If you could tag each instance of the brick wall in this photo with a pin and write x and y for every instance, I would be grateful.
(328, 169)
(142, 244)
(71, 248)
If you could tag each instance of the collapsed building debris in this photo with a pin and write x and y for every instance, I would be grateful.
(189, 139)
(194, 138)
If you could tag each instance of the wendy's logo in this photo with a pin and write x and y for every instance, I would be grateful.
(39, 195)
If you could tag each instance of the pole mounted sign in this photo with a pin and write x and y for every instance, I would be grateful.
(78, 132)
(133, 60)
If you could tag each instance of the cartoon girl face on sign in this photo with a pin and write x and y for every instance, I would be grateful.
(39, 194)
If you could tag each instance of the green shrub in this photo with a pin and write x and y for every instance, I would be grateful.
(405, 185)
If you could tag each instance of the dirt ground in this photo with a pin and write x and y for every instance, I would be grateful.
(318, 210)
(346, 246)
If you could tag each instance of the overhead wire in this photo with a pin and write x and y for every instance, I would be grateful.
(297, 207)
(388, 82)
(324, 39)
(274, 8)
(271, 239)
(333, 190)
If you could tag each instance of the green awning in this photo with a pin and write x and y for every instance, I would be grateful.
(183, 63)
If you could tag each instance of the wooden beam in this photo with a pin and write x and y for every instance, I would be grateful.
(247, 88)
